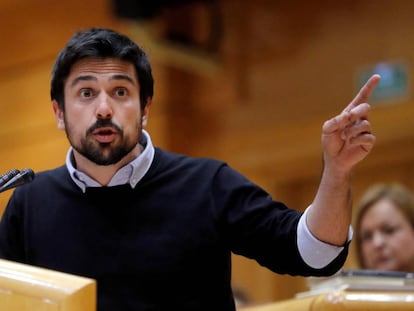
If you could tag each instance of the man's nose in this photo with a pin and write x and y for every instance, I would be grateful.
(104, 107)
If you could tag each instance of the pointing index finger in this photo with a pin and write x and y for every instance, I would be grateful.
(365, 92)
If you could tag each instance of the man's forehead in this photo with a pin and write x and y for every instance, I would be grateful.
(106, 66)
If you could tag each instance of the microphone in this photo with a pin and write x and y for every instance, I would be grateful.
(9, 175)
(21, 178)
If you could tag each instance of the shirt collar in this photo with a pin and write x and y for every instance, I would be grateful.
(131, 173)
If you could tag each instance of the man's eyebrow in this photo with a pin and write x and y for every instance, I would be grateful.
(92, 78)
(82, 78)
(122, 77)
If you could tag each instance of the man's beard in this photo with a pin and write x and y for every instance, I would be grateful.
(104, 153)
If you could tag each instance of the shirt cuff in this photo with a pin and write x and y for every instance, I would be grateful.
(315, 253)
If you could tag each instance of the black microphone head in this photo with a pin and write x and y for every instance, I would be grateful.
(27, 174)
(9, 175)
(13, 172)
(23, 177)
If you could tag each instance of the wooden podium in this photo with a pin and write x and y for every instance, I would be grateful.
(24, 287)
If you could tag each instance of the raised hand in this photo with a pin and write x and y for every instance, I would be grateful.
(347, 138)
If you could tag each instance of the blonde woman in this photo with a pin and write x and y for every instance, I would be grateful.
(385, 228)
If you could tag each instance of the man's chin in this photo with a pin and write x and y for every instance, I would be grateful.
(104, 154)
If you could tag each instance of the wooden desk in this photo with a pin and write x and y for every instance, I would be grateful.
(337, 300)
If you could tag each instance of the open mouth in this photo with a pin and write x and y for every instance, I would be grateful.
(104, 135)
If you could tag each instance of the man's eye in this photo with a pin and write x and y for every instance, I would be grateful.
(86, 93)
(121, 92)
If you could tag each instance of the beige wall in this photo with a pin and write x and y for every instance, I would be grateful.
(258, 103)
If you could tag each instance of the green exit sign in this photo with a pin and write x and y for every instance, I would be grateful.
(394, 81)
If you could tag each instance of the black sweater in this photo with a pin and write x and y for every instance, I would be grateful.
(166, 244)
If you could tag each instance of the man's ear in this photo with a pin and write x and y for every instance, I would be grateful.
(145, 113)
(58, 115)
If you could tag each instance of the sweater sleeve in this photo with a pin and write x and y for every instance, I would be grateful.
(261, 228)
(11, 237)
